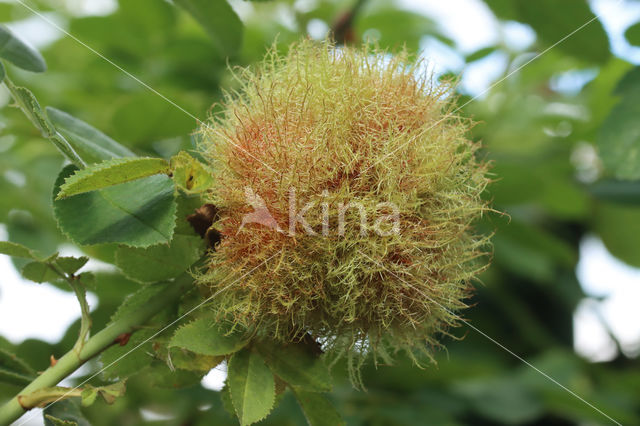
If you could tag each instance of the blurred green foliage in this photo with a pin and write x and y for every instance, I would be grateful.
(532, 132)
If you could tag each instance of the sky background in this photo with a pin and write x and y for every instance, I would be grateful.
(29, 310)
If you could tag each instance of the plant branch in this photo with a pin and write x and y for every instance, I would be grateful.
(343, 26)
(110, 335)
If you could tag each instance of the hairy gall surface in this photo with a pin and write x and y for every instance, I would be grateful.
(350, 133)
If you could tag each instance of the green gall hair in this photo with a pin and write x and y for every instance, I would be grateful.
(335, 126)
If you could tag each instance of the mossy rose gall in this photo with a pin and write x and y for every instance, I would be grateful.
(352, 133)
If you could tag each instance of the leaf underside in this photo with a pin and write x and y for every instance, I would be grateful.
(204, 336)
(317, 408)
(110, 173)
(19, 53)
(252, 386)
(297, 366)
(91, 144)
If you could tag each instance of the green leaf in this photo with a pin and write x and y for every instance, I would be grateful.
(27, 102)
(15, 250)
(6, 12)
(618, 191)
(39, 272)
(564, 24)
(160, 120)
(220, 22)
(481, 53)
(628, 83)
(64, 413)
(91, 144)
(88, 279)
(531, 252)
(2, 72)
(160, 262)
(137, 214)
(317, 408)
(252, 386)
(118, 361)
(501, 400)
(12, 362)
(31, 107)
(189, 174)
(14, 370)
(19, 53)
(50, 420)
(108, 393)
(187, 360)
(187, 205)
(134, 301)
(632, 34)
(561, 24)
(227, 403)
(617, 226)
(204, 336)
(52, 268)
(383, 20)
(297, 365)
(11, 377)
(504, 9)
(71, 265)
(159, 375)
(111, 392)
(619, 138)
(89, 396)
(110, 173)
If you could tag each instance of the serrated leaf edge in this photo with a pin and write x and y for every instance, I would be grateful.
(67, 235)
(81, 174)
(273, 401)
(172, 345)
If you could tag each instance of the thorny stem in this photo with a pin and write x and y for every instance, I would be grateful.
(101, 341)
